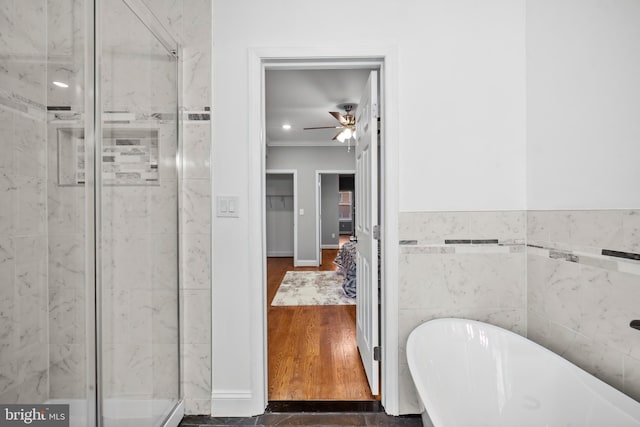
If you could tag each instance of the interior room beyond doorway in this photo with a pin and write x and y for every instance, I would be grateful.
(312, 349)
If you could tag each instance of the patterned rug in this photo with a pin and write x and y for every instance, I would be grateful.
(311, 288)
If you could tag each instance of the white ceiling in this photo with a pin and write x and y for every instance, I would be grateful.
(303, 98)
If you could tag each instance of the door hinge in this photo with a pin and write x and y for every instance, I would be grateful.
(377, 354)
(376, 232)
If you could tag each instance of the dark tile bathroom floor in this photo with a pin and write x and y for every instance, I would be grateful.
(306, 419)
(312, 413)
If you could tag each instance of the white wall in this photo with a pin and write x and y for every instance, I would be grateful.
(307, 160)
(583, 63)
(460, 86)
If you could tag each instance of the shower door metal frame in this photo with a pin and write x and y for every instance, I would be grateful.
(94, 128)
(91, 295)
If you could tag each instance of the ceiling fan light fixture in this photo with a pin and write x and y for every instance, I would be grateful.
(347, 123)
(347, 133)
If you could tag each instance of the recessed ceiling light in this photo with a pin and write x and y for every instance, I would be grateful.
(60, 84)
(286, 126)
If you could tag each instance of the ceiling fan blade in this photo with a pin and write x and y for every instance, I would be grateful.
(324, 127)
(336, 137)
(339, 117)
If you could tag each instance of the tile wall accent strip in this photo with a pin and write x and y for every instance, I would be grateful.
(484, 241)
(14, 100)
(22, 105)
(471, 241)
(483, 249)
(408, 242)
(619, 254)
(65, 116)
(627, 267)
(13, 105)
(63, 113)
(163, 116)
(603, 260)
(427, 250)
(198, 116)
(465, 248)
(567, 256)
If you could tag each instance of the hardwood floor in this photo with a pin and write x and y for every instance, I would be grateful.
(312, 349)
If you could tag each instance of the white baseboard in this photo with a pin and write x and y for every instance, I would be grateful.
(279, 253)
(331, 246)
(306, 263)
(232, 403)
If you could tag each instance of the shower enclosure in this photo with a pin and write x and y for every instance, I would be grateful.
(89, 210)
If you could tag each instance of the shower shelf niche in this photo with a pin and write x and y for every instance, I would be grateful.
(129, 156)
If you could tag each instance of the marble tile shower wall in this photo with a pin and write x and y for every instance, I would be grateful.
(459, 264)
(189, 21)
(139, 278)
(65, 52)
(196, 268)
(580, 298)
(67, 294)
(65, 206)
(196, 207)
(24, 359)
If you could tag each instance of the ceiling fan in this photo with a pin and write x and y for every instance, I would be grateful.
(347, 123)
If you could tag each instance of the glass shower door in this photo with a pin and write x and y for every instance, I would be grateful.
(138, 217)
(47, 344)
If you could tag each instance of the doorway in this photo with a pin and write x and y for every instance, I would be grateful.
(316, 349)
(255, 400)
(281, 205)
(335, 209)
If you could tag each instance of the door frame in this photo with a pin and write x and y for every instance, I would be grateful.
(319, 173)
(329, 57)
(294, 173)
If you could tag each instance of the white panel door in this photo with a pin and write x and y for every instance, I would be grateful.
(319, 204)
(366, 219)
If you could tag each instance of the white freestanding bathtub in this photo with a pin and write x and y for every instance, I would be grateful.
(470, 373)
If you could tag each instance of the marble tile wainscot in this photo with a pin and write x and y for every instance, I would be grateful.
(459, 264)
(581, 296)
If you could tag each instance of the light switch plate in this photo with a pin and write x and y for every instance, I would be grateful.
(227, 206)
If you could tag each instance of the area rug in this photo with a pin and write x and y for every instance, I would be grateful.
(311, 288)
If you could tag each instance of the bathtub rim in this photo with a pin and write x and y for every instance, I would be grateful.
(622, 401)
